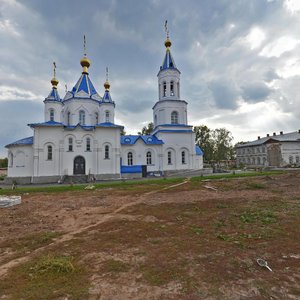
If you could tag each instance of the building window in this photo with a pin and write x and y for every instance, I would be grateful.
(297, 159)
(82, 117)
(178, 91)
(107, 116)
(51, 114)
(172, 88)
(263, 150)
(183, 158)
(164, 89)
(149, 158)
(174, 117)
(155, 120)
(169, 157)
(69, 118)
(258, 160)
(291, 159)
(88, 144)
(70, 147)
(49, 153)
(106, 152)
(97, 117)
(129, 159)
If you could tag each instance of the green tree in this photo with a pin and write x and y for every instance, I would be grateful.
(146, 130)
(205, 141)
(3, 162)
(222, 144)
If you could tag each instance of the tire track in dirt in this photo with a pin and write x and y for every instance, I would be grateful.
(69, 236)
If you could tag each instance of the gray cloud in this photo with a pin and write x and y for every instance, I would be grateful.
(226, 50)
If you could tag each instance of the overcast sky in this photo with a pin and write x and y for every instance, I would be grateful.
(239, 60)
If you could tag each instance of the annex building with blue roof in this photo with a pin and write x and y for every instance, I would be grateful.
(79, 135)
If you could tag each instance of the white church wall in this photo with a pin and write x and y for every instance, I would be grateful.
(139, 151)
(56, 106)
(20, 161)
(107, 107)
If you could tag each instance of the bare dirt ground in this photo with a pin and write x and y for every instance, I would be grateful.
(192, 240)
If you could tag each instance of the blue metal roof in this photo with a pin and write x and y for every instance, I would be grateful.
(84, 84)
(85, 127)
(106, 97)
(198, 150)
(147, 139)
(53, 96)
(48, 123)
(108, 124)
(168, 62)
(25, 141)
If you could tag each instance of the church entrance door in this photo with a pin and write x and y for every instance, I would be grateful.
(79, 165)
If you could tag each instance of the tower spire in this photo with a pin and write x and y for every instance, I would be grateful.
(85, 62)
(106, 84)
(167, 41)
(54, 81)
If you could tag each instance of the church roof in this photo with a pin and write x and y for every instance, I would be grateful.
(46, 124)
(168, 62)
(107, 97)
(53, 96)
(25, 141)
(108, 124)
(198, 150)
(147, 139)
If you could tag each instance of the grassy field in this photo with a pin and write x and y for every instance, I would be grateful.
(157, 239)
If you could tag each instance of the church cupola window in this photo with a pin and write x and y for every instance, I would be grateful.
(97, 117)
(174, 117)
(82, 117)
(11, 159)
(164, 89)
(130, 159)
(51, 114)
(88, 144)
(169, 157)
(149, 158)
(107, 116)
(172, 88)
(49, 153)
(106, 152)
(70, 146)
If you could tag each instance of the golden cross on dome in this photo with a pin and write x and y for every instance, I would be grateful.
(166, 29)
(84, 45)
(106, 73)
(54, 69)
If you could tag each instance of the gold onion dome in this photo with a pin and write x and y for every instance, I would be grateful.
(54, 82)
(106, 85)
(168, 43)
(85, 63)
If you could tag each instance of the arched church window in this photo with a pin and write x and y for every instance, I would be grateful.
(97, 117)
(149, 158)
(88, 144)
(107, 116)
(164, 89)
(155, 120)
(172, 88)
(10, 159)
(183, 158)
(70, 146)
(174, 117)
(178, 90)
(106, 152)
(82, 117)
(129, 159)
(51, 114)
(69, 118)
(50, 152)
(291, 159)
(169, 157)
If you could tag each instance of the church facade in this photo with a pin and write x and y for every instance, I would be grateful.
(79, 135)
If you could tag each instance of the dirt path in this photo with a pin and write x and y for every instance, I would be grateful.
(70, 235)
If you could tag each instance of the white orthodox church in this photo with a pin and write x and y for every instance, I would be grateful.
(79, 135)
